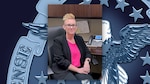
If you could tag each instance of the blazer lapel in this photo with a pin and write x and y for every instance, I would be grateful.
(67, 49)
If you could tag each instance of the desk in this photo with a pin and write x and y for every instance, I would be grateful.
(95, 50)
(96, 53)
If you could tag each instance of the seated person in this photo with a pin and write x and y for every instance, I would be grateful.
(70, 55)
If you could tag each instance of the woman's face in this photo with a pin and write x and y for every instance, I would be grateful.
(70, 26)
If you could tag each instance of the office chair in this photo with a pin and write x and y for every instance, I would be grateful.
(53, 32)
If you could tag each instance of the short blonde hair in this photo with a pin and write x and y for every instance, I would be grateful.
(68, 16)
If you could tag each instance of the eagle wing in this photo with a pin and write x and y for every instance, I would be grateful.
(37, 29)
(134, 37)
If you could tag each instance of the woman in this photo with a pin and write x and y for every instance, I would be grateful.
(71, 57)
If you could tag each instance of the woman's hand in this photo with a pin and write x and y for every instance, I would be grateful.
(86, 66)
(82, 71)
(76, 69)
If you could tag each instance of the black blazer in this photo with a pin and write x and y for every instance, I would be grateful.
(61, 56)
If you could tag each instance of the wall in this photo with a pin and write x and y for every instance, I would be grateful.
(95, 26)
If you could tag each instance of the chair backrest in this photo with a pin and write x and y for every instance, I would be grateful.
(53, 32)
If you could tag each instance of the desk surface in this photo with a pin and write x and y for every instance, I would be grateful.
(95, 50)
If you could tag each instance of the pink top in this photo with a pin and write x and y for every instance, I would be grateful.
(75, 54)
